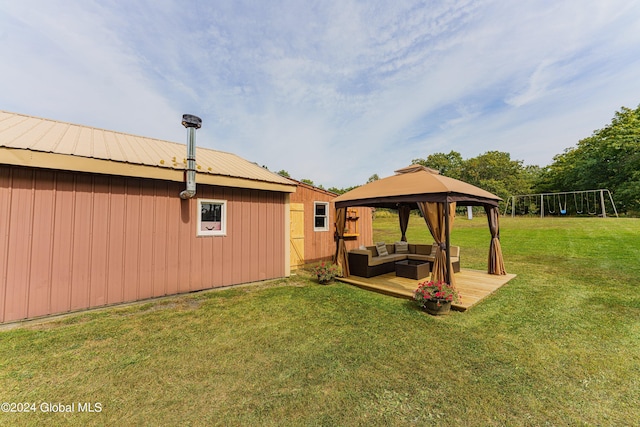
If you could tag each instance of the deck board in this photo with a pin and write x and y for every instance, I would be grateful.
(473, 285)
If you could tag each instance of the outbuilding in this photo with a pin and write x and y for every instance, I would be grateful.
(313, 232)
(91, 217)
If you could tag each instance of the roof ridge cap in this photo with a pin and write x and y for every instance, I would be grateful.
(416, 168)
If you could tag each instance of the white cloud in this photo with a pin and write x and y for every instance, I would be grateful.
(330, 91)
(67, 64)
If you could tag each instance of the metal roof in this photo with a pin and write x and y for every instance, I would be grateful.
(312, 187)
(38, 135)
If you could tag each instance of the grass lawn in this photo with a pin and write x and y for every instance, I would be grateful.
(559, 345)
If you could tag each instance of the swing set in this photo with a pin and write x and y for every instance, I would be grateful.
(585, 202)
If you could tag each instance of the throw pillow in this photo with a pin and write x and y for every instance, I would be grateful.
(382, 249)
(402, 247)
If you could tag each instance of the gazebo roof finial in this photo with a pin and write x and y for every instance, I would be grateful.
(415, 168)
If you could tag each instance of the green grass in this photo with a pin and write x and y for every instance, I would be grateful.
(559, 345)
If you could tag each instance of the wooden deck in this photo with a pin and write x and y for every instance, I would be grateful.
(473, 285)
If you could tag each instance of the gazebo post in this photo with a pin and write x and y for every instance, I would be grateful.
(446, 239)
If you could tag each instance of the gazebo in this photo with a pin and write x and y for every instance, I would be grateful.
(436, 196)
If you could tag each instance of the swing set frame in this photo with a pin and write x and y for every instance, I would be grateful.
(556, 202)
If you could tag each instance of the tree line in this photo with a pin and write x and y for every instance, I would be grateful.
(609, 158)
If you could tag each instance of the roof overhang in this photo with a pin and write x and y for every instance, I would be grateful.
(45, 160)
(392, 202)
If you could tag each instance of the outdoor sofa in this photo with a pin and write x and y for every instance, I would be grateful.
(366, 262)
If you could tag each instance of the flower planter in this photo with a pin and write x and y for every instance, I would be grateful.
(436, 297)
(437, 307)
(326, 272)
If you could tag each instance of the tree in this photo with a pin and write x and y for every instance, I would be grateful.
(373, 177)
(450, 165)
(495, 172)
(341, 190)
(609, 158)
(284, 173)
(532, 174)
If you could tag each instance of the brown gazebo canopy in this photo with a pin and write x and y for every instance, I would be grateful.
(436, 196)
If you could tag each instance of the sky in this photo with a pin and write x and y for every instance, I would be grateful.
(332, 91)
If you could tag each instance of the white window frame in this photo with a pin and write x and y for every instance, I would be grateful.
(223, 218)
(326, 216)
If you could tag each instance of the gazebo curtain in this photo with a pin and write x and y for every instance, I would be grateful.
(403, 215)
(496, 262)
(433, 213)
(341, 249)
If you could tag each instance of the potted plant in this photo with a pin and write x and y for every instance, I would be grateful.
(326, 272)
(436, 297)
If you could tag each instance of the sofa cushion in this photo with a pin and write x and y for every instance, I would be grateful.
(402, 247)
(423, 249)
(454, 251)
(378, 260)
(382, 249)
(418, 257)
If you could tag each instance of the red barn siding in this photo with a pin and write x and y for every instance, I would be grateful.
(71, 241)
(40, 254)
(159, 259)
(18, 257)
(62, 244)
(99, 242)
(365, 229)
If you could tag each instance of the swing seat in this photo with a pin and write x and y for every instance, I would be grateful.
(563, 211)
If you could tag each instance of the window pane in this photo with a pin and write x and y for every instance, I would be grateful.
(321, 217)
(211, 216)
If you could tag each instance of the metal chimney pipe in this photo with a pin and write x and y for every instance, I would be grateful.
(192, 123)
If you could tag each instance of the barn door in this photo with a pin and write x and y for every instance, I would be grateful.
(297, 235)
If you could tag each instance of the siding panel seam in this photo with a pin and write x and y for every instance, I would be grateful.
(30, 243)
(73, 232)
(51, 242)
(5, 279)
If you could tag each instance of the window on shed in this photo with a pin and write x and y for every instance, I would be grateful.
(321, 216)
(212, 218)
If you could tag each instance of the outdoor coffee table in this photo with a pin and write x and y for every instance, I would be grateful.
(413, 269)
